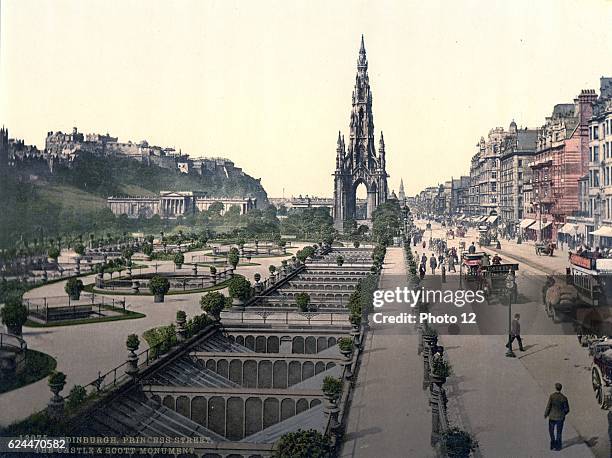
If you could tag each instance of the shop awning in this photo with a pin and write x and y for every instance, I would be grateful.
(491, 219)
(482, 219)
(603, 231)
(537, 227)
(571, 229)
(526, 223)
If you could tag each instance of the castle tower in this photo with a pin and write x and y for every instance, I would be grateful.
(357, 163)
(4, 150)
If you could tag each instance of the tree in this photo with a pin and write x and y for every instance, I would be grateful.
(239, 288)
(332, 387)
(303, 301)
(179, 259)
(14, 315)
(147, 249)
(303, 444)
(159, 286)
(233, 257)
(213, 303)
(54, 253)
(79, 249)
(215, 208)
(73, 288)
(127, 254)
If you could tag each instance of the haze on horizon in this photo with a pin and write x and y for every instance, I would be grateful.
(268, 83)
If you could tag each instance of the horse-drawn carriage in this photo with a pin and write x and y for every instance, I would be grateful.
(544, 249)
(601, 372)
(491, 278)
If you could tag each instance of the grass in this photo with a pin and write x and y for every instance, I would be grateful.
(92, 289)
(125, 315)
(38, 366)
(71, 197)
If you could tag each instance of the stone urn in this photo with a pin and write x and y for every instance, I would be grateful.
(194, 270)
(132, 359)
(158, 298)
(100, 280)
(45, 276)
(136, 287)
(55, 407)
(181, 320)
(213, 278)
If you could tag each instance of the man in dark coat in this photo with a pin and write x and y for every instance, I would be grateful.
(515, 332)
(433, 263)
(556, 410)
(472, 248)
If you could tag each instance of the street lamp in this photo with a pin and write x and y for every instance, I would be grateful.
(510, 287)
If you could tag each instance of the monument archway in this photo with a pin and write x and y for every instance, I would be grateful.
(358, 163)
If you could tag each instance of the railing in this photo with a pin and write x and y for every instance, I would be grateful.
(289, 316)
(12, 341)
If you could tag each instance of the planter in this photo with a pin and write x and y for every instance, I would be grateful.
(157, 298)
(237, 304)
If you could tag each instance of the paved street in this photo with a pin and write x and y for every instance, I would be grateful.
(83, 351)
(488, 382)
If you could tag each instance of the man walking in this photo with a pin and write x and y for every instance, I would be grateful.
(433, 264)
(472, 248)
(556, 410)
(515, 333)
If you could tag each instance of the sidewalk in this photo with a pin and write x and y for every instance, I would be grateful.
(389, 415)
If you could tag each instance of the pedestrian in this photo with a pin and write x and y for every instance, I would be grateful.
(424, 244)
(433, 263)
(440, 259)
(556, 410)
(515, 333)
(472, 248)
(422, 271)
(424, 259)
(451, 263)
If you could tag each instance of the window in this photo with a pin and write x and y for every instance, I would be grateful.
(596, 178)
(595, 132)
(520, 162)
(595, 153)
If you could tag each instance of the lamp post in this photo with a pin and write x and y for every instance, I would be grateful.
(510, 286)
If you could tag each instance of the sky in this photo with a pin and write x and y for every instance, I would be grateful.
(268, 83)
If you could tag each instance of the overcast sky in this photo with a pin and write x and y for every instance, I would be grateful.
(268, 83)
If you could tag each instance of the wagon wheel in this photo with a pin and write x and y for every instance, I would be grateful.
(599, 388)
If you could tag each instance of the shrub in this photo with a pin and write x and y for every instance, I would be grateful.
(356, 243)
(457, 443)
(73, 287)
(14, 313)
(340, 260)
(79, 249)
(272, 269)
(345, 344)
(257, 277)
(181, 315)
(303, 301)
(57, 378)
(196, 324)
(213, 303)
(132, 342)
(54, 253)
(127, 254)
(160, 339)
(213, 270)
(159, 285)
(179, 258)
(233, 257)
(332, 387)
(440, 367)
(76, 397)
(147, 249)
(303, 444)
(239, 288)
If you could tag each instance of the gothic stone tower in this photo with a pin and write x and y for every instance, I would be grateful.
(358, 162)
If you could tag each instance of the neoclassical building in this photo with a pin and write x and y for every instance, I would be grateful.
(358, 163)
(171, 204)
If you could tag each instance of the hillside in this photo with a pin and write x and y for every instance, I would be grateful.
(104, 177)
(38, 203)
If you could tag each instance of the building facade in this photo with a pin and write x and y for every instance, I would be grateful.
(172, 204)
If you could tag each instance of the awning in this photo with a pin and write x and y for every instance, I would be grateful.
(526, 223)
(603, 231)
(536, 226)
(567, 228)
(491, 219)
(482, 219)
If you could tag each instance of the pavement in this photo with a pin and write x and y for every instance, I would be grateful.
(84, 351)
(389, 415)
